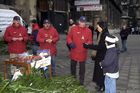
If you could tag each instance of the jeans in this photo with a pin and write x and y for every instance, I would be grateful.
(52, 66)
(53, 63)
(110, 84)
(35, 48)
(124, 48)
(81, 70)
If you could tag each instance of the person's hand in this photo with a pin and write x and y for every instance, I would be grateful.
(14, 39)
(49, 40)
(20, 38)
(100, 65)
(72, 45)
(85, 45)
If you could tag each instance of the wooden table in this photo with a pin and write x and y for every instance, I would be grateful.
(13, 62)
(22, 64)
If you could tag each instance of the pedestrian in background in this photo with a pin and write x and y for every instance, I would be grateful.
(35, 30)
(16, 36)
(100, 48)
(48, 38)
(78, 35)
(110, 64)
(71, 24)
(124, 34)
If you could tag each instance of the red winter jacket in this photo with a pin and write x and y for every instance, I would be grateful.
(78, 36)
(43, 35)
(16, 46)
(35, 27)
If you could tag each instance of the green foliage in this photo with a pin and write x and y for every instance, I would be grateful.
(36, 83)
(3, 48)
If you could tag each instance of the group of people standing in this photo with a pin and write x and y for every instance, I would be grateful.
(79, 40)
(106, 71)
(42, 38)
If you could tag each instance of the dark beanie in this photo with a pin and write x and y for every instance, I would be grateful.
(16, 18)
(46, 21)
(102, 24)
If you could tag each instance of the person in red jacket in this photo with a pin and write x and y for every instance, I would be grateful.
(48, 38)
(78, 35)
(16, 36)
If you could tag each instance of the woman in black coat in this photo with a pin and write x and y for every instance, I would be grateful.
(98, 76)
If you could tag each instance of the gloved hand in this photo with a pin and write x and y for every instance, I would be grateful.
(85, 45)
(72, 45)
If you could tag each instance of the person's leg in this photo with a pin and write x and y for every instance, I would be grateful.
(113, 85)
(73, 68)
(98, 77)
(12, 67)
(53, 63)
(82, 72)
(125, 47)
(34, 50)
(107, 84)
(110, 85)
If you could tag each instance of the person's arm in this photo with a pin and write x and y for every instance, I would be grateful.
(108, 60)
(70, 42)
(100, 46)
(90, 40)
(39, 37)
(55, 37)
(25, 35)
(7, 36)
(90, 46)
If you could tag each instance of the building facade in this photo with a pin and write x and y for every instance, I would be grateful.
(108, 10)
(54, 10)
(131, 14)
(60, 11)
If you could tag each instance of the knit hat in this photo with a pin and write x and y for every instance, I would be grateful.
(82, 19)
(46, 21)
(110, 41)
(17, 18)
(102, 24)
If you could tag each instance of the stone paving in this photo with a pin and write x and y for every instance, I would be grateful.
(129, 63)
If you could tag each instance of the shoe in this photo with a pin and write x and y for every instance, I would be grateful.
(101, 89)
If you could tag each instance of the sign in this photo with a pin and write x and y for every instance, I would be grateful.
(44, 59)
(86, 2)
(90, 8)
(41, 63)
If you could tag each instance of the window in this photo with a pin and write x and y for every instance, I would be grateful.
(7, 2)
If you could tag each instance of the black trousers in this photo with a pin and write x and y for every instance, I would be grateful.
(81, 70)
(98, 76)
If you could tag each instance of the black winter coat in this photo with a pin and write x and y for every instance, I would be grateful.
(101, 47)
(98, 76)
(124, 33)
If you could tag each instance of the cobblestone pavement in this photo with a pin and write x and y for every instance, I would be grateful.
(129, 63)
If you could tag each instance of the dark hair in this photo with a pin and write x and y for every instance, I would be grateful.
(102, 24)
(34, 21)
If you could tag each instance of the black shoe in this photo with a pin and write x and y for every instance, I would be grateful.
(101, 89)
